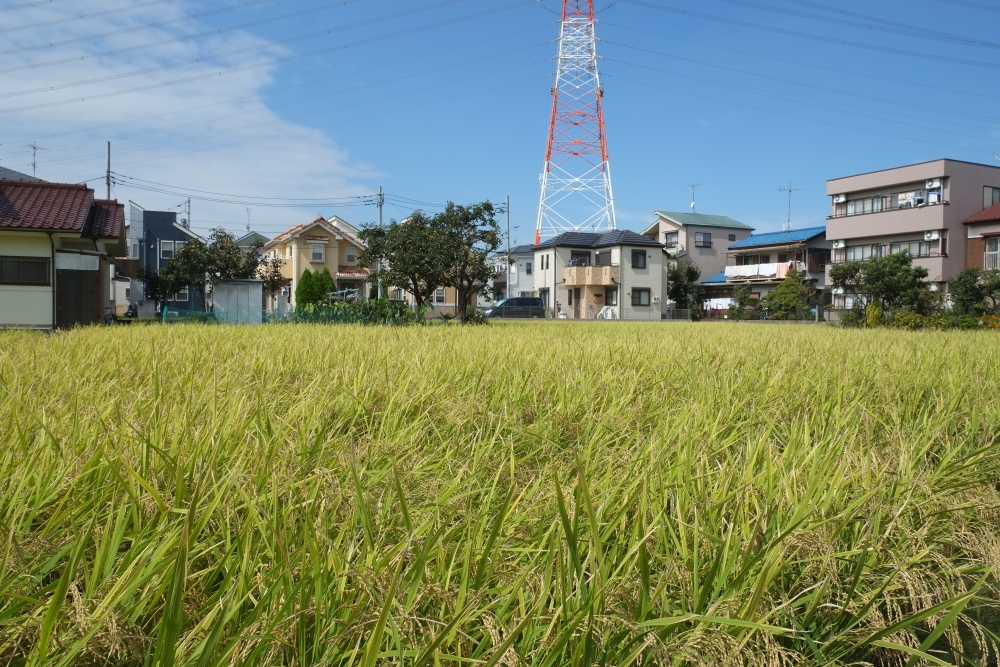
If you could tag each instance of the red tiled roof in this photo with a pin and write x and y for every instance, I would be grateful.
(44, 206)
(353, 271)
(285, 235)
(990, 214)
(106, 219)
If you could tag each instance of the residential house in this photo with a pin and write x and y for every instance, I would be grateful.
(330, 243)
(58, 244)
(515, 277)
(919, 208)
(696, 237)
(982, 234)
(11, 175)
(578, 274)
(153, 239)
(244, 242)
(762, 261)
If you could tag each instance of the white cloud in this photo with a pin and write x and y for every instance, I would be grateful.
(165, 133)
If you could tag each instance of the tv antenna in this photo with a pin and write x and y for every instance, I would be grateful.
(692, 188)
(34, 152)
(790, 190)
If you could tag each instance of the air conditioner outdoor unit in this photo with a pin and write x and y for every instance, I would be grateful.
(656, 299)
(839, 199)
(931, 236)
(933, 183)
(837, 245)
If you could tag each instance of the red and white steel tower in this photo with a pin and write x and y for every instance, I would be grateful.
(576, 182)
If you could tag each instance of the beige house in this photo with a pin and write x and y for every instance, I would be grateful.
(323, 243)
(618, 274)
(919, 208)
(699, 238)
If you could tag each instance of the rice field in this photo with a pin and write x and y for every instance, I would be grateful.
(550, 493)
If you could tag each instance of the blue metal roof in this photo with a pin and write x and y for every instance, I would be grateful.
(775, 238)
(719, 277)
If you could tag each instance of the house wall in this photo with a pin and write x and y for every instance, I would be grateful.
(650, 278)
(296, 254)
(25, 306)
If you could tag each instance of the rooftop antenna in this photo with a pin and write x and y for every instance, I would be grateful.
(692, 189)
(34, 152)
(790, 190)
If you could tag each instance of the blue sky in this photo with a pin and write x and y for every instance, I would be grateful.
(319, 103)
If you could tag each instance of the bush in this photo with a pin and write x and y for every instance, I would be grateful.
(907, 319)
(853, 318)
(873, 315)
(475, 316)
(944, 321)
(373, 311)
(990, 321)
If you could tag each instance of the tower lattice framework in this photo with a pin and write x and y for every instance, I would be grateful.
(576, 181)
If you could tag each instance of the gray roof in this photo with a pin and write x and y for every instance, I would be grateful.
(593, 240)
(702, 220)
(250, 237)
(11, 175)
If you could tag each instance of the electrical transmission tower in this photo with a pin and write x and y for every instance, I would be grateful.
(576, 182)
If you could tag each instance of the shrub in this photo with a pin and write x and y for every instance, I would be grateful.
(873, 314)
(990, 321)
(852, 318)
(907, 319)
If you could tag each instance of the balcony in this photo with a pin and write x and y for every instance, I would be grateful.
(581, 276)
(775, 271)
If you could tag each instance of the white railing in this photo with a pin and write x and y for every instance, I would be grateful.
(991, 260)
(771, 270)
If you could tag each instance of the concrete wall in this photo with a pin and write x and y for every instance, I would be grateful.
(26, 306)
(650, 278)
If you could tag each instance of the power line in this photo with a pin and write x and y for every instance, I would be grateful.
(29, 5)
(806, 35)
(68, 19)
(975, 5)
(270, 62)
(311, 82)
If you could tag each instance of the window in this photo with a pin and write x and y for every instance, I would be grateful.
(915, 248)
(546, 260)
(439, 295)
(128, 293)
(991, 196)
(992, 244)
(317, 252)
(397, 294)
(166, 249)
(135, 250)
(702, 240)
(351, 256)
(640, 297)
(732, 237)
(569, 297)
(181, 296)
(177, 246)
(579, 258)
(671, 239)
(611, 296)
(524, 294)
(527, 268)
(859, 253)
(638, 259)
(747, 260)
(784, 257)
(24, 270)
(289, 248)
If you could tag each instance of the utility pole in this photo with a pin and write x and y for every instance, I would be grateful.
(189, 215)
(790, 190)
(506, 280)
(692, 188)
(107, 175)
(378, 263)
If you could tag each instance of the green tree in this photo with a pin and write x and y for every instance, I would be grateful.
(322, 285)
(407, 255)
(201, 263)
(966, 290)
(790, 299)
(892, 281)
(304, 289)
(471, 234)
(683, 286)
(991, 287)
(742, 304)
(269, 272)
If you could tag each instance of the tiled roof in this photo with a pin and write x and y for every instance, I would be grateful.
(353, 271)
(719, 277)
(594, 240)
(287, 234)
(775, 238)
(11, 175)
(105, 220)
(44, 206)
(990, 214)
(702, 220)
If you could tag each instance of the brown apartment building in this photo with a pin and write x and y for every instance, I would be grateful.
(919, 208)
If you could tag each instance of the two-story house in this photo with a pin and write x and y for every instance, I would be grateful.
(58, 244)
(153, 238)
(762, 261)
(698, 238)
(982, 230)
(919, 208)
(330, 243)
(515, 274)
(579, 274)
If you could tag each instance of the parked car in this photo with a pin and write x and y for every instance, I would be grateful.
(520, 306)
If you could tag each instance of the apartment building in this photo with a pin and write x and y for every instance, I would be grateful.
(919, 208)
(621, 273)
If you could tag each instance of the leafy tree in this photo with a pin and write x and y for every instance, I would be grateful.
(407, 254)
(199, 263)
(742, 304)
(269, 272)
(966, 290)
(892, 281)
(683, 287)
(160, 286)
(471, 234)
(322, 285)
(990, 283)
(790, 298)
(304, 289)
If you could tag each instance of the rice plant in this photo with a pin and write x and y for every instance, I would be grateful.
(550, 493)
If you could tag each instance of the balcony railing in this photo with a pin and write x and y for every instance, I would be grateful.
(773, 271)
(841, 211)
(991, 260)
(579, 276)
